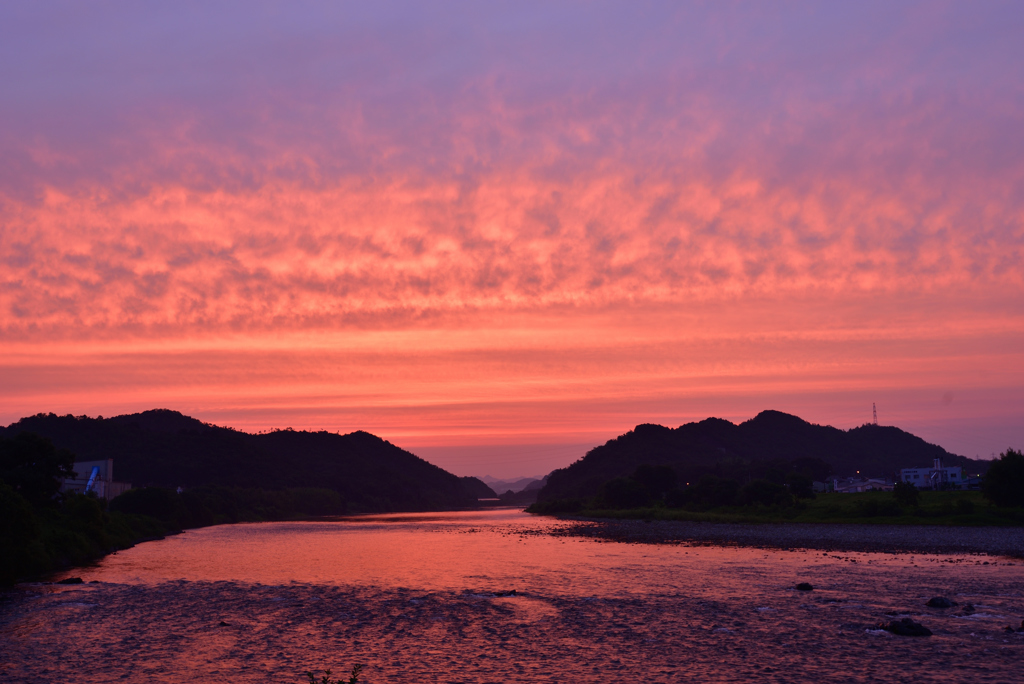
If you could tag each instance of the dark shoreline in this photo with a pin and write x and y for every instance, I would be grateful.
(875, 538)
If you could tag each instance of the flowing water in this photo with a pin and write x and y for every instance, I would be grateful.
(423, 598)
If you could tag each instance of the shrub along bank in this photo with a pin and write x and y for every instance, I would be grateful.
(42, 530)
(935, 508)
(76, 529)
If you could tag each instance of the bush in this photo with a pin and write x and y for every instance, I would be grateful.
(874, 507)
(624, 492)
(163, 504)
(33, 467)
(1003, 484)
(676, 498)
(906, 494)
(86, 511)
(711, 491)
(657, 480)
(800, 486)
(764, 493)
(557, 506)
(313, 501)
(18, 529)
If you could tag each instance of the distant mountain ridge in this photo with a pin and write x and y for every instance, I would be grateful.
(517, 485)
(766, 446)
(165, 448)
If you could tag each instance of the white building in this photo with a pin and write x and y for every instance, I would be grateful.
(96, 477)
(852, 485)
(935, 477)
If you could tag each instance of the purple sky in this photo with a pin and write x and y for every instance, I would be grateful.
(515, 229)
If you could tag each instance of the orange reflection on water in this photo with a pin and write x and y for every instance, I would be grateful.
(424, 597)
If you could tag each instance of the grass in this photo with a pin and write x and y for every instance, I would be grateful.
(935, 508)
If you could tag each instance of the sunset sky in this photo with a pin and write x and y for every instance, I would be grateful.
(497, 234)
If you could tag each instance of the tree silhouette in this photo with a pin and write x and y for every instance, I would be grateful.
(1004, 482)
(905, 493)
(33, 467)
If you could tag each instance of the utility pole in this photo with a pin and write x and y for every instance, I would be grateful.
(874, 414)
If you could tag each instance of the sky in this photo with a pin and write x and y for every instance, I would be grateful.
(499, 234)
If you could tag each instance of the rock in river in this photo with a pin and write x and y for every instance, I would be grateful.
(940, 602)
(905, 627)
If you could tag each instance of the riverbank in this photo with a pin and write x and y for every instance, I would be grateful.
(923, 539)
(52, 540)
(950, 508)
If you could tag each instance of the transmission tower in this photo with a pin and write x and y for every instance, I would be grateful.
(874, 414)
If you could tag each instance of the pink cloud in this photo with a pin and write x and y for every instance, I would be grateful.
(766, 178)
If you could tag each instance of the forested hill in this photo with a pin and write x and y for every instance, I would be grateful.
(769, 446)
(164, 448)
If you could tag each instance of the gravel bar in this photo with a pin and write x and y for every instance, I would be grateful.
(993, 541)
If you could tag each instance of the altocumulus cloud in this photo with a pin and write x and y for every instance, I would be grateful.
(195, 169)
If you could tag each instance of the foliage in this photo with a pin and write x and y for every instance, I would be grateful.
(18, 529)
(33, 467)
(648, 485)
(624, 492)
(162, 504)
(906, 494)
(960, 508)
(477, 488)
(204, 506)
(39, 540)
(712, 491)
(326, 677)
(764, 493)
(657, 480)
(965, 506)
(870, 508)
(41, 532)
(557, 506)
(1003, 484)
(800, 486)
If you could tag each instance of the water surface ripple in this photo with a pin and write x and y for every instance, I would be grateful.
(417, 598)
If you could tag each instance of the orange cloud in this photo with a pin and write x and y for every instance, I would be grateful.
(444, 237)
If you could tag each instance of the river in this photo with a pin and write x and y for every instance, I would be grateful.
(425, 598)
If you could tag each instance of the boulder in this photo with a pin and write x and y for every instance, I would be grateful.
(70, 580)
(905, 627)
(804, 586)
(940, 602)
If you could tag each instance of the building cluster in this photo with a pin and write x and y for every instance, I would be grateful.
(852, 485)
(935, 476)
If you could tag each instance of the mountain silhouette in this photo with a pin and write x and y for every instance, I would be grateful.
(164, 448)
(768, 446)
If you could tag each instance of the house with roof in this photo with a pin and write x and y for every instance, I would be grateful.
(935, 477)
(852, 485)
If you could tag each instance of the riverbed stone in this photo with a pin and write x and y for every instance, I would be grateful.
(940, 602)
(905, 627)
